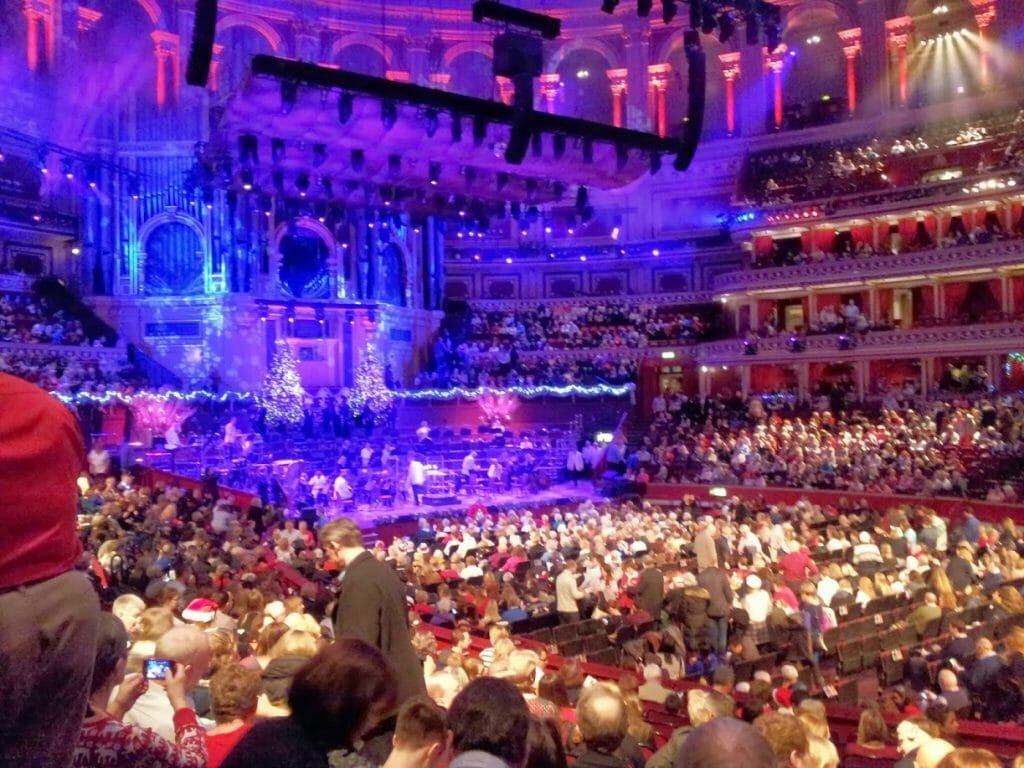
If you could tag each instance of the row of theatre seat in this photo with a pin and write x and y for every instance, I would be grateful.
(843, 712)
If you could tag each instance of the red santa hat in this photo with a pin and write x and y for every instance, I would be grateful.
(202, 610)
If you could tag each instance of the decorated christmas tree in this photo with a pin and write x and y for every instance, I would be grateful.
(370, 398)
(282, 389)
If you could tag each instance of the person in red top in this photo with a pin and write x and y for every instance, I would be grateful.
(104, 741)
(48, 611)
(234, 694)
(796, 565)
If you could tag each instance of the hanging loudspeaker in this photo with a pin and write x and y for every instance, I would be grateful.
(199, 56)
(696, 80)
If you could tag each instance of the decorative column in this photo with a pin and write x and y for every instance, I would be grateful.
(215, 62)
(731, 71)
(745, 380)
(39, 15)
(774, 63)
(439, 80)
(168, 66)
(549, 85)
(898, 34)
(862, 371)
(637, 43)
(507, 89)
(416, 53)
(850, 39)
(307, 41)
(984, 15)
(753, 99)
(657, 84)
(617, 78)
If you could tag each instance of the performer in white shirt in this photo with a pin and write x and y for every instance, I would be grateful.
(417, 477)
(342, 490)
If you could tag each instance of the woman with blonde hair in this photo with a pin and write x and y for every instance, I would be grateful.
(865, 591)
(872, 731)
(295, 642)
(943, 589)
(971, 757)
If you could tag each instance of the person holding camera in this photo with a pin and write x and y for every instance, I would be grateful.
(105, 740)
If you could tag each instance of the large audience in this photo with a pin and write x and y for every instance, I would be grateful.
(913, 446)
(718, 586)
(825, 170)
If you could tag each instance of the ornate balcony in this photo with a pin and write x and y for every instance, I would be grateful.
(915, 342)
(917, 264)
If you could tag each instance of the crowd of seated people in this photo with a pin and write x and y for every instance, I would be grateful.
(25, 319)
(838, 168)
(957, 236)
(203, 582)
(461, 367)
(921, 449)
(50, 369)
(582, 326)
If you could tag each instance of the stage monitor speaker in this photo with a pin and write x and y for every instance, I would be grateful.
(439, 499)
(695, 84)
(201, 53)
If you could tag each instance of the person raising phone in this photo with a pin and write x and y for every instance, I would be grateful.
(106, 741)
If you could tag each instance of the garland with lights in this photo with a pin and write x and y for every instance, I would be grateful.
(543, 390)
(369, 392)
(122, 398)
(282, 389)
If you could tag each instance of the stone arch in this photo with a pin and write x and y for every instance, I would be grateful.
(610, 54)
(359, 38)
(271, 35)
(155, 12)
(322, 233)
(172, 218)
(812, 9)
(453, 52)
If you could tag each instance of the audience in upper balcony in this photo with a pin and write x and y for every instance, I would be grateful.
(26, 319)
(828, 170)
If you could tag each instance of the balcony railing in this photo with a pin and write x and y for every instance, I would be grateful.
(909, 265)
(978, 338)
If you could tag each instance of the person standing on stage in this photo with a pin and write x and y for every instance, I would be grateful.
(574, 464)
(417, 477)
(468, 468)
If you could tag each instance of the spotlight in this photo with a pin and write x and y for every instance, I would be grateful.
(479, 130)
(75, 250)
(435, 173)
(345, 103)
(696, 13)
(608, 6)
(388, 114)
(430, 122)
(643, 8)
(582, 199)
(358, 160)
(707, 25)
(302, 184)
(726, 27)
(669, 9)
(246, 178)
(558, 145)
(750, 22)
(67, 169)
(277, 150)
(621, 156)
(289, 95)
(248, 149)
(615, 233)
(319, 154)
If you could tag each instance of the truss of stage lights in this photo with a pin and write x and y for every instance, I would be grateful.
(711, 15)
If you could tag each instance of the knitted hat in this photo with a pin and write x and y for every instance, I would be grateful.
(202, 610)
(41, 455)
